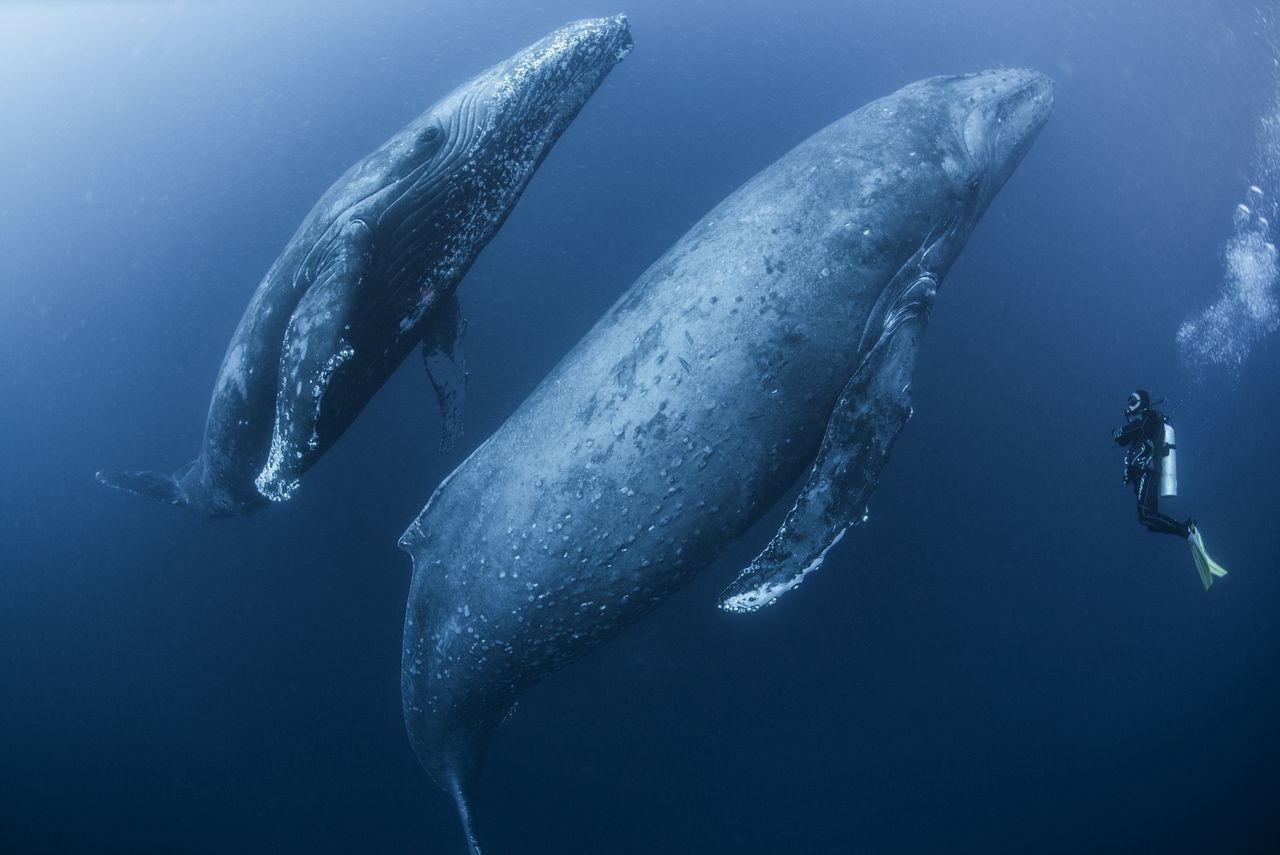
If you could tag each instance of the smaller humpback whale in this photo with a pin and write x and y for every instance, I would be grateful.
(372, 271)
(777, 337)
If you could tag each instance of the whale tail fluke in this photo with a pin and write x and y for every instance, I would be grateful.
(152, 485)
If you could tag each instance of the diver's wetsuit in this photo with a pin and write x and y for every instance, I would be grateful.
(1143, 439)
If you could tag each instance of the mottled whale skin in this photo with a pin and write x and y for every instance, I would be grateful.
(777, 337)
(372, 271)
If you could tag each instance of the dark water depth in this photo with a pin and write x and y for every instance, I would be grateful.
(1000, 660)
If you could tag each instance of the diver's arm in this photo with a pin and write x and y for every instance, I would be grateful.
(1128, 434)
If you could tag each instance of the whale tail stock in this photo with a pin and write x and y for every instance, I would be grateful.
(462, 797)
(455, 766)
(152, 485)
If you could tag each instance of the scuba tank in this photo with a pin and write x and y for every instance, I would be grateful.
(1169, 464)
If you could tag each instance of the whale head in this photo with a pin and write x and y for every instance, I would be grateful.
(531, 96)
(441, 187)
(944, 147)
(445, 184)
(483, 141)
(997, 115)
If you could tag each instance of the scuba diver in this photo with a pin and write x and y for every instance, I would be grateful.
(1150, 465)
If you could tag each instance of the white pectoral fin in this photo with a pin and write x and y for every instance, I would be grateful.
(315, 347)
(446, 369)
(872, 409)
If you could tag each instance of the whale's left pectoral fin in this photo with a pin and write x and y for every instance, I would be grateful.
(446, 368)
(873, 407)
(316, 346)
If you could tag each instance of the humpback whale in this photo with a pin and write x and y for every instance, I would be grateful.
(372, 271)
(777, 338)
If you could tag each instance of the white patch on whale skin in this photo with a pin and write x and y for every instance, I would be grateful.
(757, 598)
(268, 481)
(233, 373)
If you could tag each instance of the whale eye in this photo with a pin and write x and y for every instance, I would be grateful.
(430, 139)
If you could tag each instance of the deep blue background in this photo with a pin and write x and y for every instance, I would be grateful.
(1000, 661)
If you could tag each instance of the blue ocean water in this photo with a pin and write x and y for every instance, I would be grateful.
(1000, 660)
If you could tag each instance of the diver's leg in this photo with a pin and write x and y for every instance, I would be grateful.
(1149, 509)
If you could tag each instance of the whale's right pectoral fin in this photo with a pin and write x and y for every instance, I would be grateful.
(446, 368)
(873, 407)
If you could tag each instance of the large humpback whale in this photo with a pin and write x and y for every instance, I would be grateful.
(777, 337)
(372, 271)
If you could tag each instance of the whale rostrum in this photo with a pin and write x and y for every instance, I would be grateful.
(777, 338)
(372, 272)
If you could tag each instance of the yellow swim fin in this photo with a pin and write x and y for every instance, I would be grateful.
(1207, 567)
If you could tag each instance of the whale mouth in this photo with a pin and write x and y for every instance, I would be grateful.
(1008, 109)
